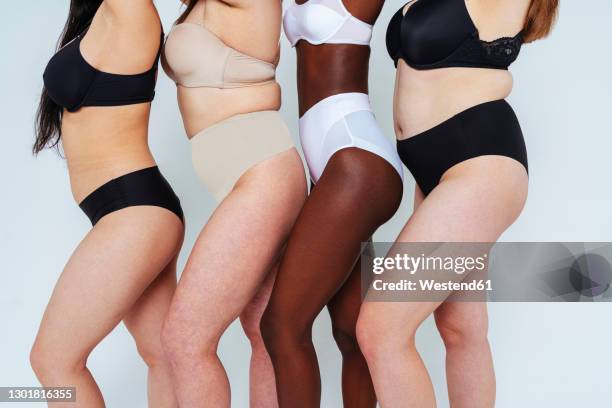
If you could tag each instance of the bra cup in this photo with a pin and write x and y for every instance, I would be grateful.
(67, 82)
(166, 66)
(432, 30)
(393, 35)
(192, 56)
(178, 60)
(315, 23)
(241, 70)
(290, 27)
(168, 60)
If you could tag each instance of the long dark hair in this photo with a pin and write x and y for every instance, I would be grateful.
(190, 5)
(48, 127)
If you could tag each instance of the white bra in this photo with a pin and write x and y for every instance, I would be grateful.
(324, 21)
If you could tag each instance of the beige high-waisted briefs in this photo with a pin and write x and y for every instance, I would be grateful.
(222, 152)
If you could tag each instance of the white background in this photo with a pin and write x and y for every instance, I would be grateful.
(546, 355)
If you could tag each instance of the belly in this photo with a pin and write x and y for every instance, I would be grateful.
(330, 69)
(102, 143)
(424, 99)
(203, 107)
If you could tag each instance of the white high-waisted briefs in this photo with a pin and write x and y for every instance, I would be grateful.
(338, 122)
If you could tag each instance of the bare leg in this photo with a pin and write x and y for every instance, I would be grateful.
(144, 321)
(357, 387)
(231, 258)
(357, 192)
(262, 386)
(108, 272)
(469, 363)
(475, 202)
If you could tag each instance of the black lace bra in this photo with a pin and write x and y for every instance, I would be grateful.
(441, 33)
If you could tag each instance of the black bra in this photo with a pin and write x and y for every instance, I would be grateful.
(73, 83)
(441, 33)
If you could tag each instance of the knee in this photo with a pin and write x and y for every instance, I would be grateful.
(345, 335)
(152, 353)
(377, 342)
(461, 334)
(270, 331)
(50, 366)
(368, 337)
(41, 361)
(281, 335)
(182, 347)
(252, 329)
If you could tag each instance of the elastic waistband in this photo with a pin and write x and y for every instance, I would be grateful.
(464, 114)
(326, 112)
(259, 118)
(141, 187)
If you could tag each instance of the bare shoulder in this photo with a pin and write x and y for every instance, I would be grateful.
(123, 10)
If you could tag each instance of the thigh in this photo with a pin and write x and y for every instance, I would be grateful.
(238, 247)
(475, 202)
(145, 318)
(344, 306)
(357, 192)
(106, 274)
(250, 317)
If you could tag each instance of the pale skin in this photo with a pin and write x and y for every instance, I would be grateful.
(476, 201)
(125, 267)
(231, 269)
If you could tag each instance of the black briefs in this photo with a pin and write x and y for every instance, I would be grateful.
(141, 187)
(490, 128)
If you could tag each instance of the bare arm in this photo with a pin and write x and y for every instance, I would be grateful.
(122, 9)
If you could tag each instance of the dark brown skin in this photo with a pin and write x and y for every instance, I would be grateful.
(330, 69)
(357, 192)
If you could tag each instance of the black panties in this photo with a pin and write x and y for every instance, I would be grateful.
(142, 187)
(490, 128)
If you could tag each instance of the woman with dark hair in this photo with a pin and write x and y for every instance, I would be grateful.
(463, 144)
(357, 177)
(223, 56)
(97, 98)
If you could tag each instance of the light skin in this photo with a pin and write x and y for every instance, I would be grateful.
(125, 267)
(231, 268)
(476, 201)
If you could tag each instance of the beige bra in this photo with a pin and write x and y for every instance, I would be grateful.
(194, 57)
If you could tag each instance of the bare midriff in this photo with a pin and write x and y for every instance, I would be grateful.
(103, 143)
(426, 98)
(233, 24)
(204, 107)
(330, 69)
